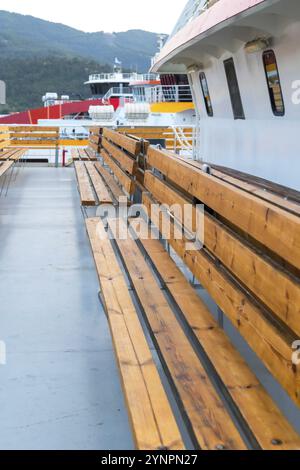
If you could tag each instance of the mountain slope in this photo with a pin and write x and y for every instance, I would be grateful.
(28, 79)
(26, 36)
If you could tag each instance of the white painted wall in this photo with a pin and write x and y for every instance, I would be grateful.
(263, 145)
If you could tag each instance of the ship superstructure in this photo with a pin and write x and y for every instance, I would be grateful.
(241, 59)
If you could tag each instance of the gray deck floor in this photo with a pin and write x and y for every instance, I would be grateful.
(60, 388)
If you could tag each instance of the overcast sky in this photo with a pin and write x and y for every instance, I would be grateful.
(103, 15)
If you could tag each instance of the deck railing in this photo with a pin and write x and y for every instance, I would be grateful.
(165, 94)
(130, 77)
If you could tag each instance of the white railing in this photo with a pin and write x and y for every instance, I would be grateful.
(165, 94)
(118, 91)
(184, 141)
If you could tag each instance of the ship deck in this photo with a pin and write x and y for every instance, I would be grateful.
(60, 388)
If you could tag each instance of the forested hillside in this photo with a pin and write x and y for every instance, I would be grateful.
(37, 56)
(27, 80)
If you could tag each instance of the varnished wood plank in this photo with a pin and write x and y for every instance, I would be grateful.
(84, 186)
(34, 135)
(91, 154)
(33, 129)
(34, 143)
(211, 424)
(275, 228)
(151, 417)
(82, 155)
(4, 144)
(272, 346)
(273, 286)
(263, 417)
(126, 182)
(125, 161)
(98, 183)
(131, 145)
(251, 188)
(113, 186)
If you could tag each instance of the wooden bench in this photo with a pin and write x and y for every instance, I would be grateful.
(198, 382)
(220, 399)
(151, 417)
(34, 136)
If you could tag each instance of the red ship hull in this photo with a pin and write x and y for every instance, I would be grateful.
(59, 111)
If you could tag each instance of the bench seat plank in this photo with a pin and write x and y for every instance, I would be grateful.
(85, 189)
(265, 420)
(152, 420)
(211, 424)
(113, 186)
(98, 183)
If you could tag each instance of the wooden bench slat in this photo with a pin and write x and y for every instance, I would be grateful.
(126, 182)
(127, 163)
(151, 416)
(113, 186)
(98, 183)
(271, 345)
(258, 409)
(251, 188)
(34, 143)
(131, 145)
(210, 421)
(247, 265)
(33, 129)
(275, 228)
(85, 189)
(90, 154)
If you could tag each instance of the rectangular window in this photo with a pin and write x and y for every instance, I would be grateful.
(234, 91)
(206, 94)
(273, 82)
